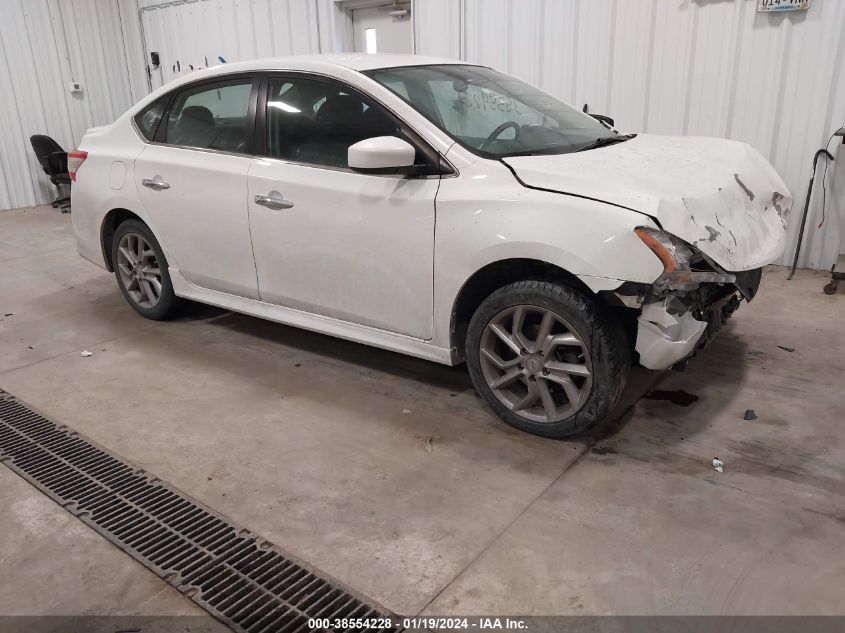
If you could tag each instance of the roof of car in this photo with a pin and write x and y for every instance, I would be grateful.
(354, 61)
(364, 61)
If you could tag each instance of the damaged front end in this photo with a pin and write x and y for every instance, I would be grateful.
(685, 307)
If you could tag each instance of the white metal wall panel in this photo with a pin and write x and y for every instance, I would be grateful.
(708, 108)
(836, 174)
(196, 34)
(436, 28)
(17, 73)
(697, 67)
(101, 57)
(133, 48)
(692, 67)
(632, 72)
(525, 57)
(558, 40)
(805, 117)
(671, 65)
(593, 74)
(43, 45)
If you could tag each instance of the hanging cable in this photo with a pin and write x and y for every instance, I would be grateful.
(819, 153)
(824, 180)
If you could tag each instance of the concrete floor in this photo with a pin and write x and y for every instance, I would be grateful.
(389, 474)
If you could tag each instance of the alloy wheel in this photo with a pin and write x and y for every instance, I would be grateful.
(535, 363)
(139, 270)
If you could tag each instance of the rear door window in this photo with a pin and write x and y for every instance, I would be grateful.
(211, 116)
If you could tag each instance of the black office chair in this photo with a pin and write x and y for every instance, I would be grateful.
(53, 161)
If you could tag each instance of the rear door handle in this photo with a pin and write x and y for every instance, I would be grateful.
(155, 183)
(273, 201)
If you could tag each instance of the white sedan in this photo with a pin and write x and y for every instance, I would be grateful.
(434, 208)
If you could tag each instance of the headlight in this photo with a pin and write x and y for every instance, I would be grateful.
(676, 256)
(674, 253)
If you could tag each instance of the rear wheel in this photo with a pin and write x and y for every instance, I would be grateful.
(141, 270)
(545, 359)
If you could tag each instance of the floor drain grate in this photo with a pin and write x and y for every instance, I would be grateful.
(237, 576)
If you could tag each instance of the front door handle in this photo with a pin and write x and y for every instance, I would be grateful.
(273, 201)
(155, 183)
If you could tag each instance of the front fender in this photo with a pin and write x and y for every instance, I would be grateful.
(587, 271)
(485, 216)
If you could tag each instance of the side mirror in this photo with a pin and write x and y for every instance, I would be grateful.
(601, 118)
(382, 155)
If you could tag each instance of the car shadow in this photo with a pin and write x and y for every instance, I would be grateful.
(676, 398)
(453, 379)
(660, 410)
(640, 382)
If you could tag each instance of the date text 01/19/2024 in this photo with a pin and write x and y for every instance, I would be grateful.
(432, 623)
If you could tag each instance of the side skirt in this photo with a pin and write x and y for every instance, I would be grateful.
(313, 322)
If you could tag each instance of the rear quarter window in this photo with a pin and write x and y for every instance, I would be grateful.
(147, 120)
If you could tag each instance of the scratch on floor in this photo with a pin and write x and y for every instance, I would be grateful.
(150, 599)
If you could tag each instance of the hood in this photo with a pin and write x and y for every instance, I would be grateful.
(718, 195)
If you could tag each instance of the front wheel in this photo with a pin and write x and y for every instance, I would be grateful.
(545, 359)
(141, 270)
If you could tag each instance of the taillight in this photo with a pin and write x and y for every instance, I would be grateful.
(74, 162)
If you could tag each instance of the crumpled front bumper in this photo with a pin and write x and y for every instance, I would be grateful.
(670, 330)
(663, 339)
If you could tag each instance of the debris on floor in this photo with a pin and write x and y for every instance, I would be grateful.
(786, 349)
(749, 415)
(718, 465)
(427, 442)
(678, 396)
(406, 410)
(86, 353)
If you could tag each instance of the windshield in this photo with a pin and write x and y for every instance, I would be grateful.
(491, 113)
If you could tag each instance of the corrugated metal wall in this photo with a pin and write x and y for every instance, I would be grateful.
(699, 67)
(44, 45)
(197, 34)
(696, 67)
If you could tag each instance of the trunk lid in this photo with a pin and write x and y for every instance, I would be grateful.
(721, 196)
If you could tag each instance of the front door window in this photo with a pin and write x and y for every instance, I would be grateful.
(311, 121)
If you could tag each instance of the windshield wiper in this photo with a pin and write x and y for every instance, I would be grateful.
(607, 140)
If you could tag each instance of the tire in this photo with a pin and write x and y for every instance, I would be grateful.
(581, 363)
(129, 237)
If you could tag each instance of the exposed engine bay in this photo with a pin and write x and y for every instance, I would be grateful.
(677, 319)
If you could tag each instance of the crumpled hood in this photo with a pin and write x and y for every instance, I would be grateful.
(721, 196)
